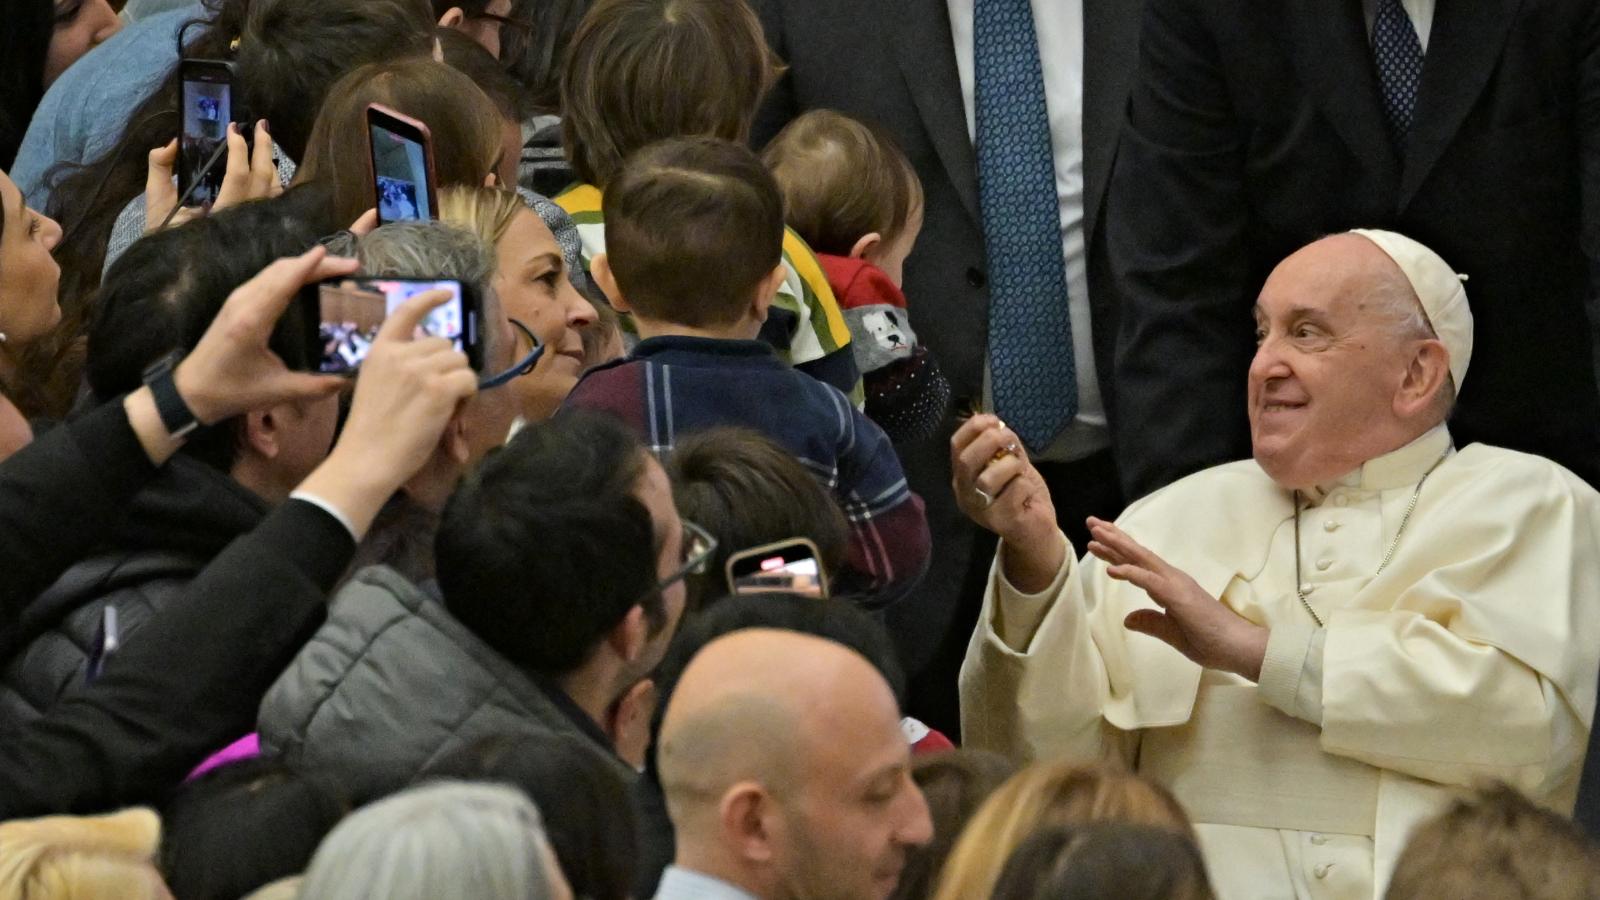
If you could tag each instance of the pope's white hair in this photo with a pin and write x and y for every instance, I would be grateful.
(1397, 302)
(446, 839)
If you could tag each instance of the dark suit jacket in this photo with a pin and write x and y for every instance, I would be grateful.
(1256, 126)
(893, 62)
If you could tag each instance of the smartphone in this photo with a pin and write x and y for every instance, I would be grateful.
(208, 107)
(402, 166)
(343, 316)
(107, 640)
(789, 566)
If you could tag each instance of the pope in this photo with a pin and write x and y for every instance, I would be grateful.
(1312, 648)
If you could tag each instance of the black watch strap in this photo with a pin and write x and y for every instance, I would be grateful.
(176, 416)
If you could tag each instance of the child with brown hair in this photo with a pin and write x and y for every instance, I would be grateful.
(857, 201)
(641, 71)
(694, 228)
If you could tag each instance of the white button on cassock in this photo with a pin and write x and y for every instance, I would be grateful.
(1324, 564)
(1330, 525)
(1322, 870)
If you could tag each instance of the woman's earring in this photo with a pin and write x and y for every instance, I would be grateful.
(2, 337)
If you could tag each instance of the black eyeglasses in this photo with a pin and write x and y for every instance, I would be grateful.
(698, 545)
(522, 366)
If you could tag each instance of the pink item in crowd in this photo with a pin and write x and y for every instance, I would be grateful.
(244, 748)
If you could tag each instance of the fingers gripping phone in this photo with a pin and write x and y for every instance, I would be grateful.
(343, 316)
(791, 566)
(402, 166)
(207, 106)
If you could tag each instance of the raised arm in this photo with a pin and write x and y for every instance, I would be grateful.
(1033, 682)
(131, 735)
(59, 494)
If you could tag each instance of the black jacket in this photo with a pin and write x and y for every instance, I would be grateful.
(1257, 126)
(169, 533)
(132, 735)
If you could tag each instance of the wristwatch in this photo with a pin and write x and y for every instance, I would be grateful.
(176, 416)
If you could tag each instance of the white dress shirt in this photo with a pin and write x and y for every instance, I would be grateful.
(1420, 11)
(1059, 24)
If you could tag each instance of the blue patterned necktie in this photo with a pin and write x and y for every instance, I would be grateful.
(1399, 55)
(1030, 332)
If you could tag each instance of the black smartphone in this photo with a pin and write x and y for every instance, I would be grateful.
(402, 166)
(790, 566)
(208, 107)
(343, 316)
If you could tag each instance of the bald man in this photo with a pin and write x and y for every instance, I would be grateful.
(786, 774)
(1313, 647)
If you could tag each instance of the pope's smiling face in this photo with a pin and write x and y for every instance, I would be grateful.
(1330, 361)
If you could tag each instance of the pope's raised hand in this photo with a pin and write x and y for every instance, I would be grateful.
(1192, 621)
(997, 486)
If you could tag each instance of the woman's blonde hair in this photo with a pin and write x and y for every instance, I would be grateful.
(1048, 794)
(81, 857)
(484, 211)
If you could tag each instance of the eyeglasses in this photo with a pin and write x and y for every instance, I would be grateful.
(698, 545)
(522, 367)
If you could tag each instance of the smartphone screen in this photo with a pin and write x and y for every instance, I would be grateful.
(789, 567)
(207, 109)
(351, 310)
(400, 168)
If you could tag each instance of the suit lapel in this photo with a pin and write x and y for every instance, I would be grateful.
(1467, 38)
(1333, 56)
(918, 32)
(1110, 58)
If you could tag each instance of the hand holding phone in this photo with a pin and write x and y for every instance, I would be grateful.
(791, 566)
(402, 166)
(207, 109)
(344, 315)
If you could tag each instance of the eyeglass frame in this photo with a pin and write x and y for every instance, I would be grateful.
(695, 565)
(522, 366)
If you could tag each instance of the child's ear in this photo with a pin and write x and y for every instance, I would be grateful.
(452, 17)
(868, 243)
(600, 271)
(768, 291)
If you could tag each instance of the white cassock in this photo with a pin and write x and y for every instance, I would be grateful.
(1472, 656)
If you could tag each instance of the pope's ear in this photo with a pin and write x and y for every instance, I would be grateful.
(1427, 376)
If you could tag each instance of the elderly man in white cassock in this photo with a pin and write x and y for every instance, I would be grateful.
(1315, 647)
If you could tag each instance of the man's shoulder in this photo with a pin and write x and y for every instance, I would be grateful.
(1203, 492)
(1503, 473)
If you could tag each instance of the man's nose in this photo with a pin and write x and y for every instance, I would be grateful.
(916, 828)
(1268, 362)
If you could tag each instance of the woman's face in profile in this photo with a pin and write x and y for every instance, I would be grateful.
(531, 281)
(29, 275)
(81, 25)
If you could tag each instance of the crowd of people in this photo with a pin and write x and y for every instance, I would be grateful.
(849, 472)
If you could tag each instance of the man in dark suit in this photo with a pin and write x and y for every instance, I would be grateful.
(988, 127)
(1256, 127)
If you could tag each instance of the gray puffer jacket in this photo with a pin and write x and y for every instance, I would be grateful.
(391, 683)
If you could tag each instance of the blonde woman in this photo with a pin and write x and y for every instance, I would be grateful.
(82, 858)
(531, 280)
(1044, 795)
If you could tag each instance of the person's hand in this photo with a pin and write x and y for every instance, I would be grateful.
(409, 387)
(1192, 621)
(231, 370)
(365, 224)
(250, 174)
(998, 488)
